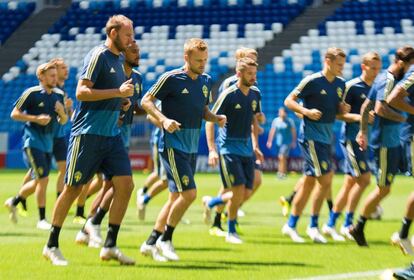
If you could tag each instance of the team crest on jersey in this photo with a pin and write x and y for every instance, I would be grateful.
(237, 106)
(231, 177)
(41, 104)
(323, 92)
(40, 171)
(254, 105)
(363, 96)
(185, 91)
(362, 165)
(78, 176)
(185, 180)
(339, 92)
(324, 165)
(205, 91)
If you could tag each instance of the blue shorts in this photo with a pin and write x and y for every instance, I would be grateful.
(387, 162)
(284, 150)
(60, 148)
(89, 154)
(158, 166)
(180, 167)
(356, 161)
(407, 157)
(236, 170)
(39, 161)
(317, 158)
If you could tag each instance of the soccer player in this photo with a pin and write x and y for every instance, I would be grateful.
(322, 101)
(213, 157)
(239, 103)
(41, 108)
(384, 136)
(91, 233)
(59, 142)
(357, 173)
(185, 94)
(402, 98)
(95, 141)
(285, 131)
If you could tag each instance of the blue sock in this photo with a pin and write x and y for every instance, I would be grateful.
(147, 198)
(349, 217)
(293, 220)
(314, 221)
(215, 201)
(333, 216)
(232, 226)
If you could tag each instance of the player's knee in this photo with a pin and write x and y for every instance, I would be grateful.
(189, 195)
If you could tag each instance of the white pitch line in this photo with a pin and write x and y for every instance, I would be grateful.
(352, 275)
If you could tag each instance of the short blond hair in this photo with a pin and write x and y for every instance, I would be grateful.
(42, 68)
(116, 22)
(333, 52)
(57, 61)
(194, 44)
(370, 56)
(243, 52)
(245, 62)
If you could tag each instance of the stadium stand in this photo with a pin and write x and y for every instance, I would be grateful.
(12, 14)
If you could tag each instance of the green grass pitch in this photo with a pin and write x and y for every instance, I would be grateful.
(266, 254)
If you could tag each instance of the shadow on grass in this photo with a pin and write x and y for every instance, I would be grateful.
(170, 265)
(263, 263)
(204, 249)
(16, 234)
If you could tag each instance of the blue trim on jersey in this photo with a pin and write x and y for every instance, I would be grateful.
(185, 140)
(91, 122)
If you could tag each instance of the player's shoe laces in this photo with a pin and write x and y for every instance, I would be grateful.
(140, 204)
(12, 210)
(79, 220)
(358, 236)
(217, 231)
(114, 253)
(292, 233)
(43, 225)
(233, 238)
(54, 256)
(167, 249)
(330, 231)
(82, 238)
(345, 232)
(285, 206)
(404, 244)
(94, 231)
(153, 252)
(206, 210)
(405, 274)
(315, 235)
